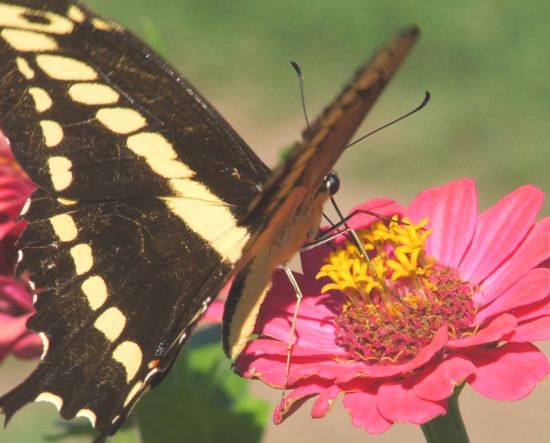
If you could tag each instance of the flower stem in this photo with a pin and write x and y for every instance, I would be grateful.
(448, 428)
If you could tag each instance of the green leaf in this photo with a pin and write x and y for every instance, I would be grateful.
(202, 400)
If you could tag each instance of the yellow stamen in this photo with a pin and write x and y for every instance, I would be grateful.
(397, 248)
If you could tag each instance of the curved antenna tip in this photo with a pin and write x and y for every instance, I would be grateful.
(296, 67)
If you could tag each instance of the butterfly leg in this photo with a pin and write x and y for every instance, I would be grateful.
(292, 337)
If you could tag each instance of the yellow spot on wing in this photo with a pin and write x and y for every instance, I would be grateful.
(95, 289)
(121, 120)
(82, 257)
(195, 204)
(75, 14)
(159, 155)
(66, 201)
(60, 67)
(26, 206)
(89, 414)
(42, 100)
(26, 41)
(93, 94)
(254, 291)
(60, 172)
(13, 16)
(111, 323)
(64, 227)
(133, 392)
(56, 400)
(45, 344)
(208, 217)
(24, 68)
(101, 24)
(129, 355)
(53, 133)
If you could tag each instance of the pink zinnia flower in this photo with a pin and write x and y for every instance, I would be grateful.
(15, 297)
(455, 297)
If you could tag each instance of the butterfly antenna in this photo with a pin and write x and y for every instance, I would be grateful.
(427, 98)
(300, 75)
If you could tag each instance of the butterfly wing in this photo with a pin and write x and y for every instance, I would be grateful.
(134, 229)
(105, 104)
(292, 199)
(326, 139)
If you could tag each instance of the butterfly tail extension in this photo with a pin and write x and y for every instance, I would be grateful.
(15, 399)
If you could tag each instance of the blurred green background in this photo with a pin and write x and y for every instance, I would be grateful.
(486, 65)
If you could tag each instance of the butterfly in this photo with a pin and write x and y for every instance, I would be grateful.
(147, 203)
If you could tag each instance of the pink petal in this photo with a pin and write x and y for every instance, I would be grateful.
(312, 334)
(535, 330)
(509, 372)
(266, 360)
(313, 259)
(8, 227)
(496, 329)
(452, 210)
(11, 330)
(324, 401)
(533, 251)
(535, 286)
(214, 313)
(397, 402)
(364, 413)
(281, 301)
(14, 292)
(440, 379)
(29, 346)
(499, 231)
(314, 325)
(294, 400)
(532, 311)
(278, 350)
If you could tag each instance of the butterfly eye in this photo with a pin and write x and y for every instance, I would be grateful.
(331, 183)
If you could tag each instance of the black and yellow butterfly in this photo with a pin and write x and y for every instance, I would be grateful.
(147, 202)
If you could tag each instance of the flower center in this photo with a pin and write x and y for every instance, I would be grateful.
(398, 298)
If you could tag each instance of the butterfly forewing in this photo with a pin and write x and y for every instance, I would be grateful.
(326, 139)
(292, 199)
(105, 104)
(115, 302)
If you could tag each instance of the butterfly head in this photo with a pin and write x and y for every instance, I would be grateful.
(331, 183)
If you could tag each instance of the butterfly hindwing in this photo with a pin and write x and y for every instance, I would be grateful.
(115, 297)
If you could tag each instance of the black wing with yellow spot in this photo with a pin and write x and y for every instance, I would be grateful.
(134, 229)
(113, 119)
(148, 201)
(123, 284)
